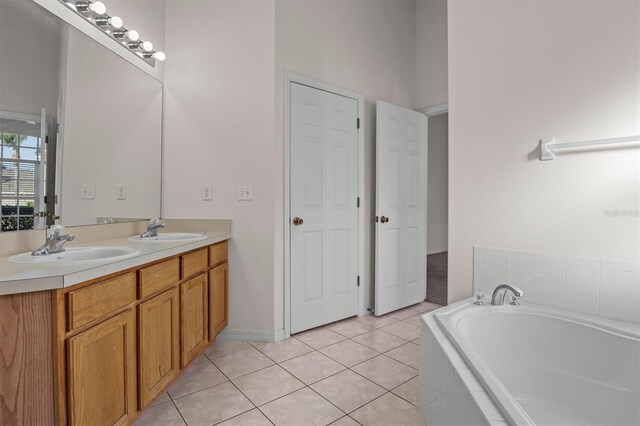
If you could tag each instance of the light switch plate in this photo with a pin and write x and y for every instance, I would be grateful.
(88, 192)
(244, 192)
(207, 193)
(121, 193)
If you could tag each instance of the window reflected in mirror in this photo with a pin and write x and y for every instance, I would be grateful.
(23, 174)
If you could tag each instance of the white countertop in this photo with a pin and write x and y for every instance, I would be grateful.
(24, 278)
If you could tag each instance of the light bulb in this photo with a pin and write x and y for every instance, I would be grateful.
(133, 35)
(98, 7)
(147, 46)
(160, 56)
(115, 22)
(106, 21)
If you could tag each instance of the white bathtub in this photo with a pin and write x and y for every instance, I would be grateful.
(541, 366)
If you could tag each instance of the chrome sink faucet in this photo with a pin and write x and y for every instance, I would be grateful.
(497, 298)
(152, 228)
(55, 241)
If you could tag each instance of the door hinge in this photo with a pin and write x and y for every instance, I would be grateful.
(376, 219)
(58, 128)
(46, 139)
(358, 123)
(45, 199)
(358, 280)
(358, 202)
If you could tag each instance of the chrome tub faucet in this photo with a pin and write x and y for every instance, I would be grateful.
(499, 293)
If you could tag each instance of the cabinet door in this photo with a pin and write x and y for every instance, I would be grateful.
(218, 299)
(101, 370)
(193, 312)
(158, 344)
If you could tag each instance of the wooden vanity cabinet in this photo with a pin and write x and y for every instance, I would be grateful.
(100, 352)
(119, 341)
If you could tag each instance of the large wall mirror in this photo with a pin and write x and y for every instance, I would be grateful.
(80, 127)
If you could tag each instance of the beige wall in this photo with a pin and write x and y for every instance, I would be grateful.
(431, 53)
(364, 45)
(219, 120)
(438, 184)
(524, 70)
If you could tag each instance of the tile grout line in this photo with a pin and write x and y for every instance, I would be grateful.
(319, 380)
(346, 415)
(393, 359)
(268, 402)
(369, 402)
(238, 415)
(178, 411)
(226, 377)
(242, 393)
(402, 384)
(228, 381)
(403, 363)
(338, 408)
(378, 384)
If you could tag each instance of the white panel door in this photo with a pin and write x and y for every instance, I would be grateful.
(401, 208)
(324, 215)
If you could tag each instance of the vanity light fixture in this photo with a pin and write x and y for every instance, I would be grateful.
(96, 13)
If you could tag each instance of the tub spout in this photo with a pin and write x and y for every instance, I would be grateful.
(501, 291)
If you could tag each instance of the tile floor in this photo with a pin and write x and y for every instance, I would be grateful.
(357, 371)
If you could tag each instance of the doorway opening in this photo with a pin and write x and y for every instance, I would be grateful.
(438, 201)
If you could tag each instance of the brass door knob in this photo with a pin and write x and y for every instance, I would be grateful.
(297, 221)
(384, 219)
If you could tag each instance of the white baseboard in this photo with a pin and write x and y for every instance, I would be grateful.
(252, 335)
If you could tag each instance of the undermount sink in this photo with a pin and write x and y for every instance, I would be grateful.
(170, 237)
(78, 254)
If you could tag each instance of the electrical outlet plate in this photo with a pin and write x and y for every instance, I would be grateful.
(121, 193)
(244, 192)
(88, 192)
(207, 193)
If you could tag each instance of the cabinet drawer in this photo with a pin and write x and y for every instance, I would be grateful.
(90, 303)
(159, 276)
(194, 263)
(218, 253)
